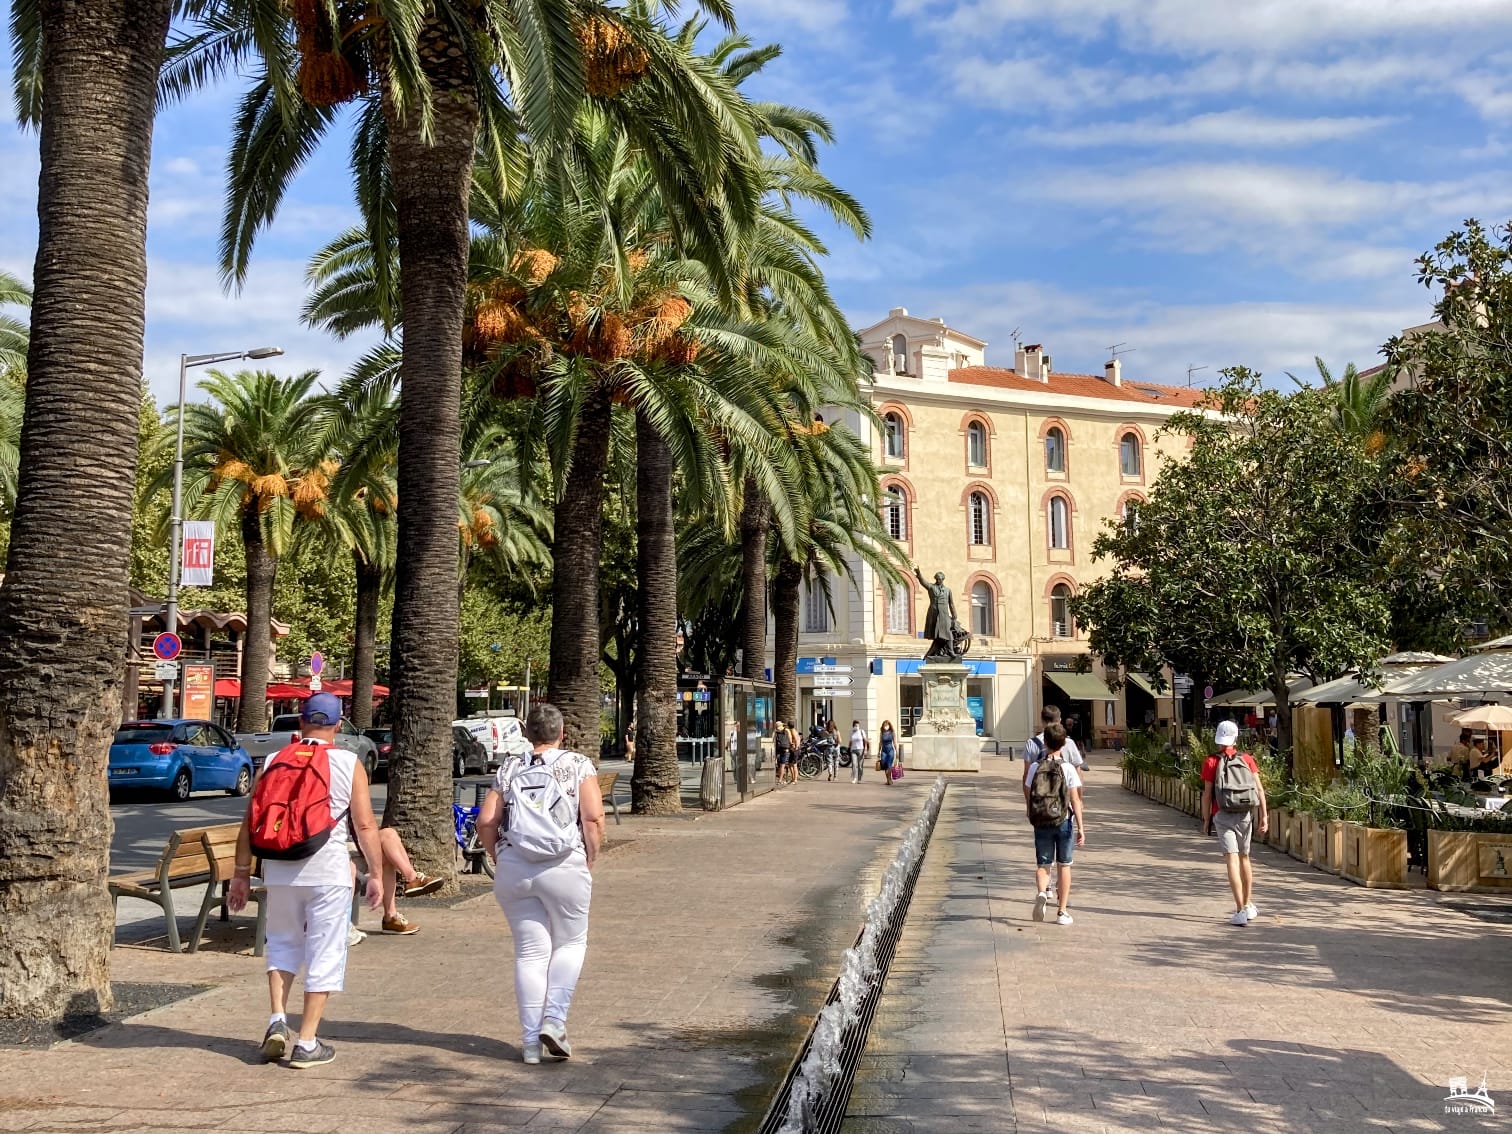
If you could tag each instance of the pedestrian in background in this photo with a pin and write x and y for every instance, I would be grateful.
(543, 824)
(1233, 803)
(887, 751)
(857, 750)
(1053, 800)
(309, 898)
(782, 743)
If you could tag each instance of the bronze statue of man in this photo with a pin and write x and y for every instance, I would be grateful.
(941, 626)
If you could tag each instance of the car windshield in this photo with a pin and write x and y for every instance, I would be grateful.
(143, 734)
(289, 722)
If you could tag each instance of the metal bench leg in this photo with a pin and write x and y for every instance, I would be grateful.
(204, 916)
(614, 806)
(166, 901)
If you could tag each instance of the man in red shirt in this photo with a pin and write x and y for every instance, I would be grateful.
(1235, 827)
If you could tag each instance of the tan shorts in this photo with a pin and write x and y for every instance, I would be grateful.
(1234, 830)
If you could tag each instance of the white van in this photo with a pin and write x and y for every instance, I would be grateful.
(501, 736)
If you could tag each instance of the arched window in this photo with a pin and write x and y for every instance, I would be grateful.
(982, 609)
(1060, 612)
(1060, 523)
(895, 511)
(900, 354)
(1129, 455)
(893, 433)
(1055, 451)
(980, 518)
(899, 609)
(976, 445)
(1129, 513)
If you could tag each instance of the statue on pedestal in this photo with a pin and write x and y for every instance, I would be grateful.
(949, 640)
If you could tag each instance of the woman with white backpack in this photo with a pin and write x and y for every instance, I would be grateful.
(543, 823)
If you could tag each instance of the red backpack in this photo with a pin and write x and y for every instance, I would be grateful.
(290, 817)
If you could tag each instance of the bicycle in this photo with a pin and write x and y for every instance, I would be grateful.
(474, 857)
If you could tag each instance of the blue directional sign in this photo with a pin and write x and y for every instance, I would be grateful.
(167, 646)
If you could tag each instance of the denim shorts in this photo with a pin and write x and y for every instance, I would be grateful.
(1054, 844)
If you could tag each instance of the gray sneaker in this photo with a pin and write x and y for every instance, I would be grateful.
(554, 1039)
(312, 1057)
(276, 1042)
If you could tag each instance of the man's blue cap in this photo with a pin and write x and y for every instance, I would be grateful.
(321, 709)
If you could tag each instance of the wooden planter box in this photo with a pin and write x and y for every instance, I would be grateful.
(1280, 828)
(1374, 857)
(1469, 860)
(1332, 835)
(1299, 841)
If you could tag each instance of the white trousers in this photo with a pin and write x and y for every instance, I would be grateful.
(307, 929)
(547, 908)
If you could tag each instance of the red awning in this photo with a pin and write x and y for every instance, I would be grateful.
(299, 689)
(228, 687)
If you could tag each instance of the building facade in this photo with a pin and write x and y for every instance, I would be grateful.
(1001, 479)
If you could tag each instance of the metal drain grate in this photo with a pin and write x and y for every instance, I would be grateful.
(827, 1116)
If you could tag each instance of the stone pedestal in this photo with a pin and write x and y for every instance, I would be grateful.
(945, 738)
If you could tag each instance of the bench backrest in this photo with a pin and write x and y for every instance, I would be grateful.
(199, 850)
(606, 782)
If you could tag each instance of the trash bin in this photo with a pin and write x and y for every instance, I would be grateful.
(711, 785)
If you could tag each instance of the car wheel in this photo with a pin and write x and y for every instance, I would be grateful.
(243, 781)
(459, 769)
(181, 785)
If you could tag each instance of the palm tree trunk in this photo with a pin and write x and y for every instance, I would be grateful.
(578, 524)
(364, 649)
(431, 182)
(786, 595)
(656, 786)
(257, 654)
(62, 608)
(755, 523)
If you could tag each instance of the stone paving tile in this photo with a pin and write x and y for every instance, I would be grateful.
(1338, 1009)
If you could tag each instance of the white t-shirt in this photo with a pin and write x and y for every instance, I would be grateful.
(1069, 751)
(331, 865)
(1073, 777)
(570, 769)
(857, 740)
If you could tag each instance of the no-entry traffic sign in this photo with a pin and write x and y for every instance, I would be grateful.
(167, 646)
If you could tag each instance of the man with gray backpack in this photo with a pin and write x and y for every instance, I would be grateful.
(1053, 798)
(1233, 804)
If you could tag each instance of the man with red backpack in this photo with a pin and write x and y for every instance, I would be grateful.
(1233, 803)
(308, 795)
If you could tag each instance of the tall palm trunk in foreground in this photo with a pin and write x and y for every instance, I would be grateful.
(365, 638)
(431, 182)
(755, 523)
(257, 653)
(577, 528)
(63, 606)
(786, 596)
(656, 788)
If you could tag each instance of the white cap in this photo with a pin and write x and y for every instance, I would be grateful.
(1228, 733)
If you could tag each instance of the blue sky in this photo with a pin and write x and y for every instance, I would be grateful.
(1210, 183)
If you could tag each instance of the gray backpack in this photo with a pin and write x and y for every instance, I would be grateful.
(1235, 786)
(1049, 798)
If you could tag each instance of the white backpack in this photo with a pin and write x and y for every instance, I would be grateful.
(540, 819)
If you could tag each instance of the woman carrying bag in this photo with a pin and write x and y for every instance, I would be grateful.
(887, 753)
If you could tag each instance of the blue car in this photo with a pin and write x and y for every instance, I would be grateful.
(179, 757)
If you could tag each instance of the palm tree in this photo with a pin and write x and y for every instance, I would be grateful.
(255, 457)
(1359, 399)
(14, 335)
(86, 74)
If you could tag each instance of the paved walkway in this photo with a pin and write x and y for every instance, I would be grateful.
(1340, 1009)
(714, 940)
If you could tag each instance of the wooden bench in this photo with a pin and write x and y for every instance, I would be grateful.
(606, 782)
(195, 856)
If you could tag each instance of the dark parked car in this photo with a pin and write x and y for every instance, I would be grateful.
(384, 739)
(285, 731)
(179, 757)
(468, 753)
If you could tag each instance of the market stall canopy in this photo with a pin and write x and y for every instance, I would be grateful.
(1261, 698)
(228, 687)
(1355, 690)
(1232, 697)
(299, 689)
(1081, 686)
(1492, 718)
(1489, 671)
(1495, 644)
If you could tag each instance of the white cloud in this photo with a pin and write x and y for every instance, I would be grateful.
(810, 15)
(1237, 129)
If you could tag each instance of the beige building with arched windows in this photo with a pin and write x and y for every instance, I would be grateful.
(1001, 479)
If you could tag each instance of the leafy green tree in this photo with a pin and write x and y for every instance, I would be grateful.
(1253, 559)
(85, 74)
(1451, 435)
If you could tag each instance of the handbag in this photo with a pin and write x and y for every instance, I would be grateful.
(897, 771)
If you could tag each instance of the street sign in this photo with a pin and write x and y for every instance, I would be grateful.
(315, 683)
(477, 694)
(167, 646)
(1182, 683)
(822, 694)
(317, 663)
(1207, 692)
(165, 670)
(821, 667)
(830, 679)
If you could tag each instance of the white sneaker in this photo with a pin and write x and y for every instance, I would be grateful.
(355, 936)
(1041, 900)
(1250, 912)
(1063, 918)
(532, 1053)
(554, 1039)
(1239, 918)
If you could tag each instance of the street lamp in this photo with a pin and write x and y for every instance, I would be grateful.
(177, 519)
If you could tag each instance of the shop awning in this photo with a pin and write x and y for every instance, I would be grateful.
(1354, 691)
(1080, 686)
(228, 687)
(1140, 681)
(1486, 672)
(1232, 697)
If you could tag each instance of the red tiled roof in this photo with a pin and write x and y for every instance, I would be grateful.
(1080, 386)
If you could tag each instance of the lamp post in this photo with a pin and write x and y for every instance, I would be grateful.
(170, 691)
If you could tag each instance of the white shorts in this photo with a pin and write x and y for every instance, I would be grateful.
(307, 929)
